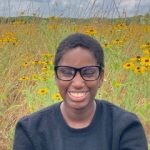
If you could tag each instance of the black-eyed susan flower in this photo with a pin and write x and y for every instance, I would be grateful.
(91, 32)
(57, 97)
(145, 61)
(25, 64)
(23, 78)
(42, 91)
(120, 26)
(129, 66)
(147, 51)
(36, 62)
(139, 70)
(47, 62)
(146, 45)
(107, 45)
(137, 59)
(43, 62)
(45, 69)
(44, 78)
(117, 42)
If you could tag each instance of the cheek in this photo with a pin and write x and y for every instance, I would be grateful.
(93, 88)
(62, 87)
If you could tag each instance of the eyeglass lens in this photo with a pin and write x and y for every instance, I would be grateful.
(68, 73)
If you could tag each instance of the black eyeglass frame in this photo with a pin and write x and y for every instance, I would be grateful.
(78, 70)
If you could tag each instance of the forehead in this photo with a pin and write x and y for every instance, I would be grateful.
(78, 56)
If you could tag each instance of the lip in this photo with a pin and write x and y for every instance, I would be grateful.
(77, 96)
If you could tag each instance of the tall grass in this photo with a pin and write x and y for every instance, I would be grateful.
(26, 67)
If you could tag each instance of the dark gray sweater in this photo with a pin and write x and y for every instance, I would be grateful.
(112, 128)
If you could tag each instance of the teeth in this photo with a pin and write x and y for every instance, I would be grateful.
(77, 94)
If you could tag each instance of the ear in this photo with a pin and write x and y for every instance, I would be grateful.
(101, 78)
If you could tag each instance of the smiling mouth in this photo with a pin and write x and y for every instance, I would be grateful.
(77, 95)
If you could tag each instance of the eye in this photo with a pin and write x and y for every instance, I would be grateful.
(89, 72)
(65, 71)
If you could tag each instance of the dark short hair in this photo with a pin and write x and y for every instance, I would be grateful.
(80, 40)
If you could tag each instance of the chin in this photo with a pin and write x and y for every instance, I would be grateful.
(78, 105)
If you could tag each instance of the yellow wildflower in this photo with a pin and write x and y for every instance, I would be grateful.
(128, 66)
(23, 78)
(140, 70)
(137, 59)
(43, 63)
(145, 61)
(117, 42)
(147, 51)
(42, 91)
(25, 64)
(120, 26)
(44, 78)
(45, 69)
(91, 32)
(146, 45)
(35, 62)
(47, 62)
(9, 34)
(57, 97)
(107, 45)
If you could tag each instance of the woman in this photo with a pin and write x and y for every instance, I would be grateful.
(80, 122)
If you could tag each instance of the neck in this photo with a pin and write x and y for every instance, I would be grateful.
(78, 118)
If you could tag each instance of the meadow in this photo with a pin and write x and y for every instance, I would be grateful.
(27, 80)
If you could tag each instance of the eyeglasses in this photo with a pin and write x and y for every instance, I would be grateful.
(88, 73)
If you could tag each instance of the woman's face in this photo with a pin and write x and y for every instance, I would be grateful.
(78, 93)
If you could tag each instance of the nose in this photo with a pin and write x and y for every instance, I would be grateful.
(77, 81)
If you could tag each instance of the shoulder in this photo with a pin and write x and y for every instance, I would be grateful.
(38, 118)
(126, 126)
(118, 114)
